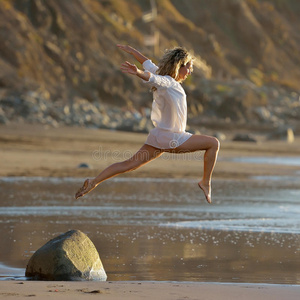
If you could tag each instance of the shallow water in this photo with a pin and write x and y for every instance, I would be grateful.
(160, 229)
(274, 160)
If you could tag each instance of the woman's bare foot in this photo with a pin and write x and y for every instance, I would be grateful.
(86, 188)
(206, 188)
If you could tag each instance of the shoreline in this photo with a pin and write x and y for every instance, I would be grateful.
(146, 290)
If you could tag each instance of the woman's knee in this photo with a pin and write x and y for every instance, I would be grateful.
(215, 143)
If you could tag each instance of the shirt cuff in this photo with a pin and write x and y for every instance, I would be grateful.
(151, 78)
(147, 62)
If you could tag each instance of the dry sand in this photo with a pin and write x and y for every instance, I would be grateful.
(28, 150)
(145, 290)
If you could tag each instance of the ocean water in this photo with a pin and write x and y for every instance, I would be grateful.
(160, 229)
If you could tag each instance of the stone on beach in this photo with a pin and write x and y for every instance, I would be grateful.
(70, 256)
(240, 137)
(84, 166)
(282, 134)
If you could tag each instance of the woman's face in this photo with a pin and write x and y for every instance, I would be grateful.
(184, 71)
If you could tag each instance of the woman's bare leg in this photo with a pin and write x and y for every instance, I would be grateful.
(211, 146)
(143, 156)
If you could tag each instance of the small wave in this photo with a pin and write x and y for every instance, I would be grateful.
(59, 180)
(56, 180)
(249, 225)
(276, 178)
(10, 271)
(287, 161)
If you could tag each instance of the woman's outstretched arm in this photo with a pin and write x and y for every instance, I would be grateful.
(137, 55)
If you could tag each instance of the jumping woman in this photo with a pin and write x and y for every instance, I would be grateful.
(169, 117)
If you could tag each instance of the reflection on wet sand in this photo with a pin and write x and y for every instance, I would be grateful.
(159, 229)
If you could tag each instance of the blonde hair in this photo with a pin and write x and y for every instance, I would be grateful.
(172, 60)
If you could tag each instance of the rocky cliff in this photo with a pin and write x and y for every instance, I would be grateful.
(59, 63)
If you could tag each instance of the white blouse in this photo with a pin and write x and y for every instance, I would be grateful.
(169, 110)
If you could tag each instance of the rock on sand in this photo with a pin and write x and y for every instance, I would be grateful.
(70, 256)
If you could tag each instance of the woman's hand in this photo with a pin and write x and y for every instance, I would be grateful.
(129, 68)
(137, 55)
(126, 48)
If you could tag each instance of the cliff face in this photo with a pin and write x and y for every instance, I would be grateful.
(65, 49)
(61, 47)
(249, 35)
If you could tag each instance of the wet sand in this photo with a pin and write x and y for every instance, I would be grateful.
(160, 229)
(34, 151)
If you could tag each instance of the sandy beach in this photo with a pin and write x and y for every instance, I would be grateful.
(28, 150)
(37, 151)
(145, 290)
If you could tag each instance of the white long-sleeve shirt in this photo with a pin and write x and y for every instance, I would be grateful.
(169, 108)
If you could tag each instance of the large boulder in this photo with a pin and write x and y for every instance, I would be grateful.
(70, 256)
